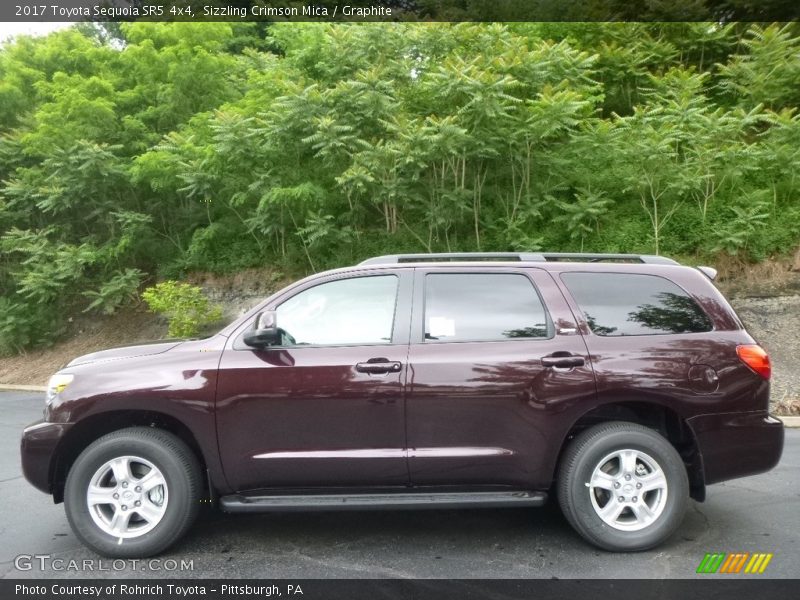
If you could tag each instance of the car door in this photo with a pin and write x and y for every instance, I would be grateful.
(495, 359)
(326, 408)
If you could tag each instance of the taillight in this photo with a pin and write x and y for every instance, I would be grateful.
(755, 357)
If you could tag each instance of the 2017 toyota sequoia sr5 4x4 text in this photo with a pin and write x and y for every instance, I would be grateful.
(622, 384)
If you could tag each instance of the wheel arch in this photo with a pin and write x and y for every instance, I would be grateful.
(93, 427)
(656, 416)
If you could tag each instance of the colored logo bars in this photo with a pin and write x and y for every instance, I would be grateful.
(737, 562)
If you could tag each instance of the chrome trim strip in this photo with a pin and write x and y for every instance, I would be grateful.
(36, 426)
(445, 452)
(351, 453)
(455, 452)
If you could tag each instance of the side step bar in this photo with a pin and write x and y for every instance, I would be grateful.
(238, 503)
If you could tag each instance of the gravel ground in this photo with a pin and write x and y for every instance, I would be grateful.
(775, 322)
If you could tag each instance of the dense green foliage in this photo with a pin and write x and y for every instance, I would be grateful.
(184, 305)
(148, 150)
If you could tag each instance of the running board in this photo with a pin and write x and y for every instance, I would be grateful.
(238, 503)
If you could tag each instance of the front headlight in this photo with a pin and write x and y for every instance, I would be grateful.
(58, 384)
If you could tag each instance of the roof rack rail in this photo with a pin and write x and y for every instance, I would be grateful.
(517, 257)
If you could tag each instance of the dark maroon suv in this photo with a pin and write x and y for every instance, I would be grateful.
(623, 384)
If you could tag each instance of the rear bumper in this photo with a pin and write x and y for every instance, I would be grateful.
(38, 448)
(737, 444)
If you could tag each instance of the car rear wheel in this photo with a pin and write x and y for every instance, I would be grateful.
(623, 486)
(134, 492)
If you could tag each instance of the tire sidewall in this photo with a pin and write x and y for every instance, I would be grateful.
(182, 499)
(593, 526)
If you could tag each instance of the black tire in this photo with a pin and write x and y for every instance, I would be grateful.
(578, 463)
(180, 469)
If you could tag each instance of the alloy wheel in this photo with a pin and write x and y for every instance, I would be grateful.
(127, 497)
(628, 490)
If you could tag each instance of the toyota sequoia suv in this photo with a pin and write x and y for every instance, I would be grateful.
(621, 384)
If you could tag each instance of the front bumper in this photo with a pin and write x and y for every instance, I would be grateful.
(38, 450)
(735, 445)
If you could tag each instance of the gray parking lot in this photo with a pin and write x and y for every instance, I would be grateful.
(757, 514)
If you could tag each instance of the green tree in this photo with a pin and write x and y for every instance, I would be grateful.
(137, 152)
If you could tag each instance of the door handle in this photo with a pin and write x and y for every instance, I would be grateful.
(563, 360)
(378, 366)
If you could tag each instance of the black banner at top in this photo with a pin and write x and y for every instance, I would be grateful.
(399, 10)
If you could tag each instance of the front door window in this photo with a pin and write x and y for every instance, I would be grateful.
(342, 312)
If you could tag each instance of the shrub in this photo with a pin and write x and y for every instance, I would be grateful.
(115, 292)
(184, 305)
(25, 325)
(222, 248)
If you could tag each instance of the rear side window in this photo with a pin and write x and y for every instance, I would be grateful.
(632, 304)
(485, 307)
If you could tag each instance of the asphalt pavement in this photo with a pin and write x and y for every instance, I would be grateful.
(755, 514)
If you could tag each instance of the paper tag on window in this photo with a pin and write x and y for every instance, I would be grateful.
(441, 327)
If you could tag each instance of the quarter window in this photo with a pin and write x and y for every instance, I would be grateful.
(618, 304)
(482, 307)
(345, 311)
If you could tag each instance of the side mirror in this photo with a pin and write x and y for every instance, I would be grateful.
(265, 331)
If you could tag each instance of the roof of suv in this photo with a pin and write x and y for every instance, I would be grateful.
(537, 257)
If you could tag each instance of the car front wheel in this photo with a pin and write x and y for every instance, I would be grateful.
(134, 492)
(623, 486)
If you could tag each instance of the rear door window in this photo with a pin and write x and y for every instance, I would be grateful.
(617, 304)
(482, 307)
